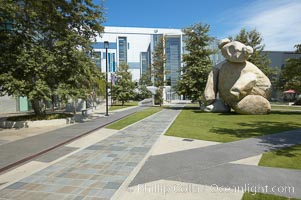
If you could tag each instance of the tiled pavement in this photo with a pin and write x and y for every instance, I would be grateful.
(12, 152)
(97, 171)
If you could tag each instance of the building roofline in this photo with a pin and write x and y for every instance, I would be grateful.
(290, 52)
(141, 30)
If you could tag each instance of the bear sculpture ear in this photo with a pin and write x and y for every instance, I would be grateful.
(223, 42)
(247, 50)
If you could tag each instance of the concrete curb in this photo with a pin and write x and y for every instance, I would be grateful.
(54, 146)
(38, 123)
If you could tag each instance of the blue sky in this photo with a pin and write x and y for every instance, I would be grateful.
(279, 21)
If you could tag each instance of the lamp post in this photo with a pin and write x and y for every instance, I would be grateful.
(106, 45)
(112, 76)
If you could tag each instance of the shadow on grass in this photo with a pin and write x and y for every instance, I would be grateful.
(258, 128)
(286, 112)
(180, 108)
(289, 152)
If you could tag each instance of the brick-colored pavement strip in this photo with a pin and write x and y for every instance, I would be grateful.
(23, 149)
(97, 171)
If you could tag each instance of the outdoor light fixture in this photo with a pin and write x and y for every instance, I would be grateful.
(106, 46)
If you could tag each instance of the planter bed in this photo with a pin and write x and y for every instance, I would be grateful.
(38, 123)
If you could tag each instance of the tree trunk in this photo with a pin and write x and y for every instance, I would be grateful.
(37, 107)
(200, 104)
(52, 102)
(74, 107)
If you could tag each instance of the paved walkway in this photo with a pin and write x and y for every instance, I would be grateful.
(23, 149)
(128, 166)
(97, 171)
(212, 166)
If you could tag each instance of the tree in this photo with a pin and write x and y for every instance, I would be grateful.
(298, 48)
(197, 63)
(253, 38)
(144, 81)
(123, 90)
(159, 61)
(291, 73)
(45, 46)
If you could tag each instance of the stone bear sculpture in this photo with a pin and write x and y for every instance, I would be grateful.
(239, 83)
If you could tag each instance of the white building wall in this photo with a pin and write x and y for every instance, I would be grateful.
(138, 40)
(137, 44)
(8, 104)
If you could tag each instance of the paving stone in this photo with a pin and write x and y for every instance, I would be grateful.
(97, 171)
(17, 185)
(112, 185)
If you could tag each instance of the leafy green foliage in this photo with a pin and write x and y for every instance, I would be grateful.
(159, 60)
(197, 62)
(144, 81)
(253, 38)
(123, 90)
(143, 93)
(44, 49)
(291, 73)
(298, 48)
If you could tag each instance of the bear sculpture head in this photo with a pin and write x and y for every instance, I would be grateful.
(235, 51)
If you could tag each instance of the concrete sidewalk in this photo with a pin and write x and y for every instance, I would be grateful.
(139, 162)
(218, 167)
(23, 149)
(97, 171)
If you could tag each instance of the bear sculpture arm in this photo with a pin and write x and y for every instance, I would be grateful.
(243, 85)
(211, 90)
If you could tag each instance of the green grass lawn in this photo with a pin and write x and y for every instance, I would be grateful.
(134, 118)
(284, 158)
(193, 123)
(120, 106)
(260, 196)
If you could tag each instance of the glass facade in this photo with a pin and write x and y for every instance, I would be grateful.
(143, 60)
(122, 51)
(100, 45)
(156, 39)
(217, 57)
(7, 26)
(111, 62)
(149, 57)
(96, 57)
(173, 59)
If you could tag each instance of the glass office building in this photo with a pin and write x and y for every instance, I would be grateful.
(122, 50)
(135, 46)
(173, 59)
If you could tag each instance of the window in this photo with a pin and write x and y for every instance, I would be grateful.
(122, 43)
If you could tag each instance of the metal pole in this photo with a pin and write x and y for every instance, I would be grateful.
(107, 100)
(111, 88)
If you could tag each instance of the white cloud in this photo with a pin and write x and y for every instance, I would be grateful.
(279, 22)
